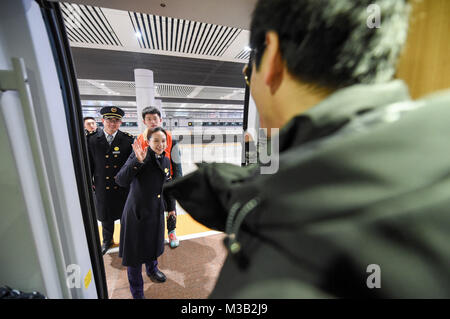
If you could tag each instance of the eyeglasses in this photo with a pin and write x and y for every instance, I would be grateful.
(247, 71)
(248, 68)
(114, 121)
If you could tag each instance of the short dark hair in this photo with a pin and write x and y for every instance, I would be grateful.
(150, 110)
(328, 43)
(156, 129)
(88, 118)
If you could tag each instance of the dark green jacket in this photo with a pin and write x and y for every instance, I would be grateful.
(363, 182)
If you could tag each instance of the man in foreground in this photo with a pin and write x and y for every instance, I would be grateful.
(359, 205)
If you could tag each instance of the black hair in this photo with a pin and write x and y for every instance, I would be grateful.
(330, 43)
(156, 129)
(88, 118)
(150, 110)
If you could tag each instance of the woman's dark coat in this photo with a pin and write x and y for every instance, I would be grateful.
(142, 230)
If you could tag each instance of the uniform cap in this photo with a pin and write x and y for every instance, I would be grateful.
(112, 112)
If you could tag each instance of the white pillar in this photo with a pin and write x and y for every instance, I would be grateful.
(145, 92)
(158, 105)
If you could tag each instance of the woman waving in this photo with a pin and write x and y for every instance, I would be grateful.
(142, 230)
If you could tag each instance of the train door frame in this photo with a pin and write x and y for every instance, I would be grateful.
(54, 23)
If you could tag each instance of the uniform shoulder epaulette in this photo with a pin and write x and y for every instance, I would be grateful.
(129, 135)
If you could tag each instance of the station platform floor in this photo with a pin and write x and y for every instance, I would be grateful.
(191, 270)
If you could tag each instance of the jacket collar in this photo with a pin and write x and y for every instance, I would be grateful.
(100, 133)
(347, 102)
(152, 156)
(338, 109)
(102, 138)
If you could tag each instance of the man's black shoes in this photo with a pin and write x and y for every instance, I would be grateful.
(106, 247)
(157, 276)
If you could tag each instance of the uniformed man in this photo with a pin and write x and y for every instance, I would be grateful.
(108, 151)
(359, 205)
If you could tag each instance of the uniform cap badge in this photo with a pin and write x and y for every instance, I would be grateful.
(114, 110)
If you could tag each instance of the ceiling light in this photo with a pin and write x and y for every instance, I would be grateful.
(138, 35)
(247, 48)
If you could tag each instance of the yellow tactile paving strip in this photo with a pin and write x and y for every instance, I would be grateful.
(186, 225)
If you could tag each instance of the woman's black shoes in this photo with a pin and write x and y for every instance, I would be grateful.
(157, 276)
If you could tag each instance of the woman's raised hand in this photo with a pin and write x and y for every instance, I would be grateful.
(141, 154)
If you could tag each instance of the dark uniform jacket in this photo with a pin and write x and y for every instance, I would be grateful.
(142, 230)
(361, 194)
(106, 161)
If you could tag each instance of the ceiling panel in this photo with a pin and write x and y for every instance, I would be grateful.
(96, 27)
(173, 90)
(127, 88)
(118, 99)
(232, 13)
(196, 65)
(178, 35)
(222, 93)
(87, 24)
(119, 66)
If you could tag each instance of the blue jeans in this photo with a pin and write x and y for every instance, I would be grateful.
(135, 278)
